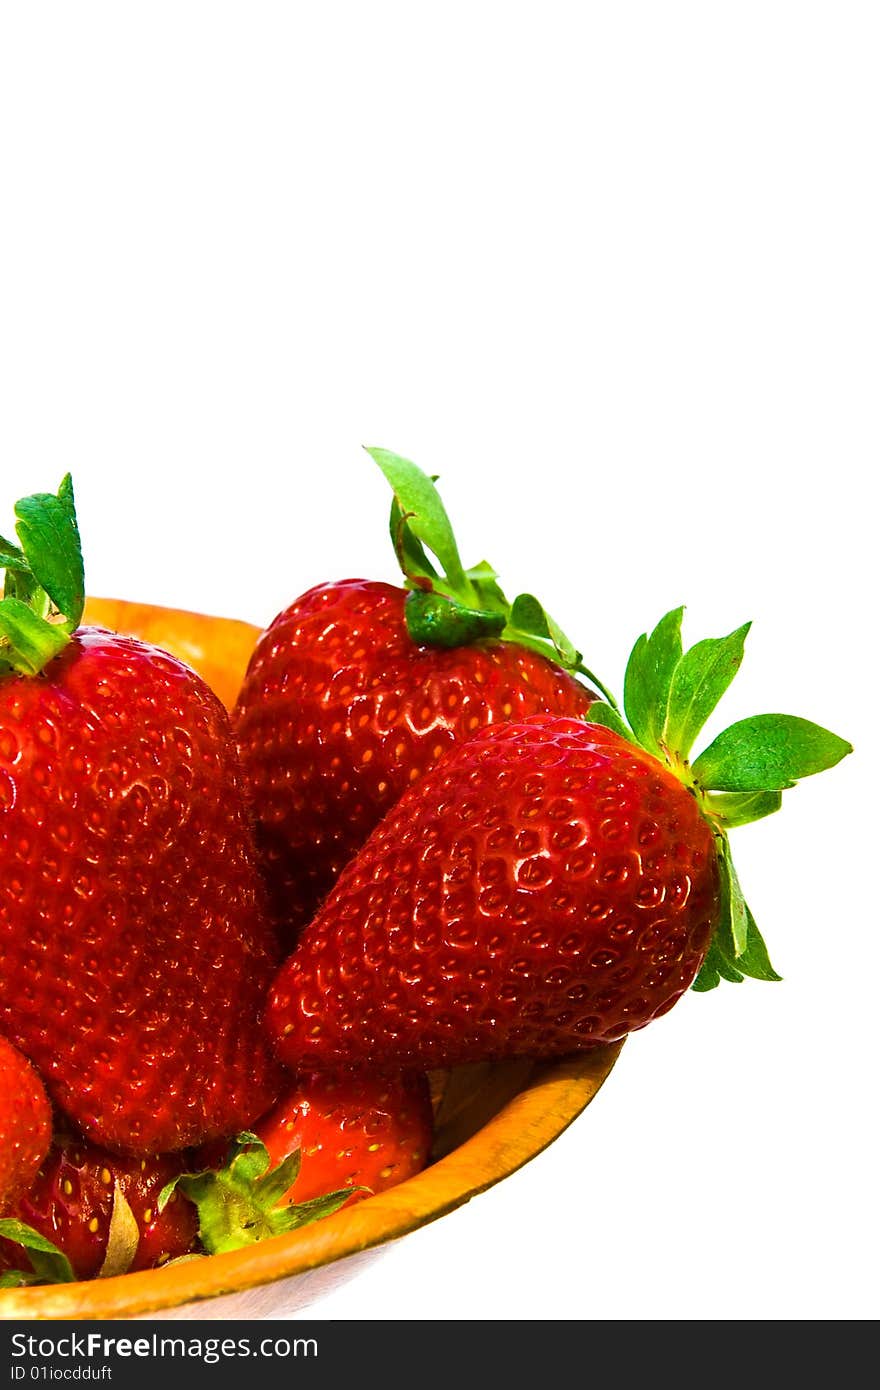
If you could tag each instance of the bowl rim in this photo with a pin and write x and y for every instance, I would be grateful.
(554, 1094)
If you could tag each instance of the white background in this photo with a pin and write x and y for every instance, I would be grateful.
(612, 272)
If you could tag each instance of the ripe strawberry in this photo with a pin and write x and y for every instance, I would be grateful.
(551, 885)
(354, 1130)
(330, 1141)
(359, 688)
(98, 1213)
(135, 946)
(25, 1124)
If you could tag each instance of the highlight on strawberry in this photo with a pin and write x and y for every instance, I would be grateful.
(359, 688)
(553, 883)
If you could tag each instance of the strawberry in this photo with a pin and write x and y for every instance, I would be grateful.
(354, 1130)
(553, 884)
(90, 1211)
(135, 944)
(330, 1141)
(358, 688)
(25, 1124)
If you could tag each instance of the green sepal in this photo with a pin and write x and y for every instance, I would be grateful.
(648, 678)
(11, 557)
(21, 584)
(755, 960)
(411, 554)
(241, 1203)
(737, 948)
(18, 1279)
(602, 713)
(736, 909)
(435, 621)
(44, 592)
(420, 529)
(701, 676)
(769, 752)
(528, 616)
(31, 641)
(489, 594)
(423, 510)
(50, 540)
(50, 1265)
(530, 625)
(730, 809)
(713, 970)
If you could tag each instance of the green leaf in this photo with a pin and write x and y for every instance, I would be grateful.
(730, 809)
(529, 616)
(243, 1202)
(700, 679)
(737, 948)
(66, 498)
(11, 558)
(490, 595)
(411, 554)
(316, 1208)
(648, 678)
(636, 691)
(248, 1160)
(768, 752)
(713, 970)
(739, 929)
(483, 573)
(662, 657)
(31, 642)
(531, 626)
(423, 510)
(602, 713)
(754, 960)
(49, 1263)
(17, 1279)
(278, 1180)
(21, 584)
(50, 540)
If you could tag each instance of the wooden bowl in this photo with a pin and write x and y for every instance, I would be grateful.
(490, 1120)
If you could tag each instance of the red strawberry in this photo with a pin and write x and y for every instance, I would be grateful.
(364, 1131)
(100, 1212)
(551, 886)
(25, 1124)
(358, 689)
(134, 939)
(330, 1141)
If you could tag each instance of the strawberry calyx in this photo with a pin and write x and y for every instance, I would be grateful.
(44, 590)
(448, 605)
(668, 695)
(49, 1265)
(243, 1202)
